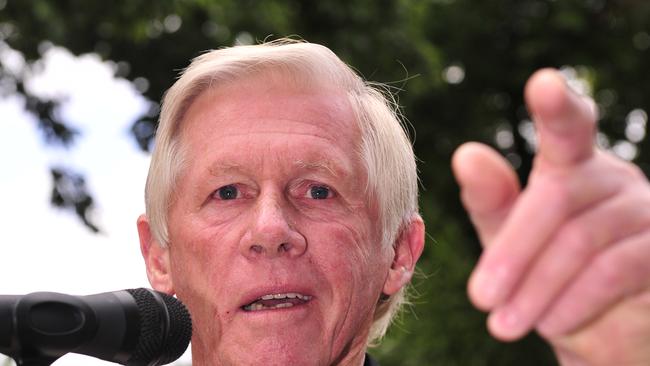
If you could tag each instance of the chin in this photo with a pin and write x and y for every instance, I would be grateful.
(276, 347)
(277, 351)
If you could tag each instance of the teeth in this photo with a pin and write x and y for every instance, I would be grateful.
(290, 295)
(258, 306)
(254, 307)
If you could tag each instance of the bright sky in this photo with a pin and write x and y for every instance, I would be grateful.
(47, 249)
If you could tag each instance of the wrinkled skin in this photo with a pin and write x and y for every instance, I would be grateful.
(272, 201)
(568, 256)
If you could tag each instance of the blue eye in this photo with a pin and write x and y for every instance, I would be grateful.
(228, 192)
(319, 192)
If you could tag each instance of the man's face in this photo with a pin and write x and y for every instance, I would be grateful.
(273, 245)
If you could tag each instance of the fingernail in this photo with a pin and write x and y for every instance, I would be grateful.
(506, 323)
(510, 319)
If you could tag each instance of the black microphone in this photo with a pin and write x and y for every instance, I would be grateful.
(130, 327)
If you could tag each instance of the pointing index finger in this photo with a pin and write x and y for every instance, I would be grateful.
(564, 120)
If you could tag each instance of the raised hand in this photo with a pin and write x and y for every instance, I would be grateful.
(569, 255)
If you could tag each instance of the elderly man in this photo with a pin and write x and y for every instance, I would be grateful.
(282, 209)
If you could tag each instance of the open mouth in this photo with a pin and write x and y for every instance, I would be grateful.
(277, 301)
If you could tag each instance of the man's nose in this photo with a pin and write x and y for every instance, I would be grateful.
(270, 233)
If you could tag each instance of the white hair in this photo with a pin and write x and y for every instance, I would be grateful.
(384, 149)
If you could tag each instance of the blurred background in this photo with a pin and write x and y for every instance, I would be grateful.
(80, 83)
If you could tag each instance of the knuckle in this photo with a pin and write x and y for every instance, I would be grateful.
(555, 191)
(610, 273)
(577, 240)
(546, 278)
(560, 195)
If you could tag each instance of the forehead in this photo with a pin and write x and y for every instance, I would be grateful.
(270, 95)
(260, 105)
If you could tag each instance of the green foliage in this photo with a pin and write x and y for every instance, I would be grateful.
(419, 48)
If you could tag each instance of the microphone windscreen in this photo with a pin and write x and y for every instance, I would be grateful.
(165, 328)
(180, 329)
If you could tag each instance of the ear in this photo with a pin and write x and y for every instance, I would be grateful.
(408, 248)
(156, 258)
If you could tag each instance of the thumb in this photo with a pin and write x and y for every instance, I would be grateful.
(565, 121)
(488, 185)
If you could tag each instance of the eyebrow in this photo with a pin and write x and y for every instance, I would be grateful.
(219, 168)
(321, 166)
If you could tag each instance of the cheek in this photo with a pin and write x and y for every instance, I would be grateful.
(201, 278)
(351, 256)
(202, 260)
(350, 240)
(200, 271)
(189, 261)
(353, 266)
